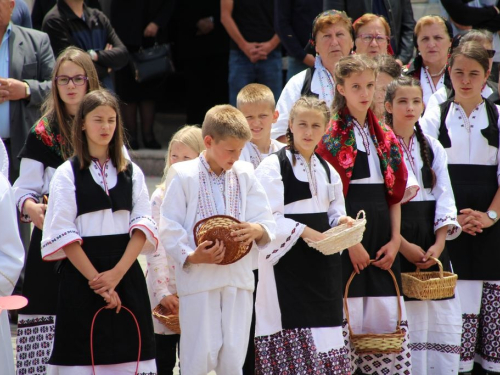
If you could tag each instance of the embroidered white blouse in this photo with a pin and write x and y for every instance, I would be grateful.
(373, 159)
(468, 145)
(193, 193)
(442, 193)
(322, 83)
(251, 153)
(440, 96)
(428, 87)
(62, 226)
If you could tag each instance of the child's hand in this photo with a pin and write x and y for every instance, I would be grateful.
(204, 254)
(434, 251)
(247, 232)
(36, 212)
(105, 281)
(414, 254)
(112, 300)
(360, 258)
(347, 220)
(470, 221)
(387, 253)
(171, 303)
(312, 235)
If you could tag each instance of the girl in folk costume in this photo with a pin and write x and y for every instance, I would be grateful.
(97, 222)
(368, 158)
(468, 128)
(426, 223)
(48, 145)
(186, 144)
(432, 38)
(299, 295)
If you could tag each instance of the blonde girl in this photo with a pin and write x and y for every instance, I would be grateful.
(186, 144)
(299, 295)
(97, 222)
(428, 219)
(367, 156)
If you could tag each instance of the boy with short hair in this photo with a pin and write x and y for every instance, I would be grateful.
(215, 301)
(257, 104)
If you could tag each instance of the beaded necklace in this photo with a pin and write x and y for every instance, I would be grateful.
(429, 76)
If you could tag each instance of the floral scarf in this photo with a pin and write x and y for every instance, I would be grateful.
(338, 147)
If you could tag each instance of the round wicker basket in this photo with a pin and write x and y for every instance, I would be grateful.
(217, 228)
(341, 237)
(169, 320)
(429, 285)
(376, 343)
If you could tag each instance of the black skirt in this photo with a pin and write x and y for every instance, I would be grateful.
(41, 281)
(373, 281)
(417, 226)
(475, 257)
(115, 335)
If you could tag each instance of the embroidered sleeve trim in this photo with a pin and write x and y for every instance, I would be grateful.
(146, 230)
(50, 258)
(25, 218)
(288, 239)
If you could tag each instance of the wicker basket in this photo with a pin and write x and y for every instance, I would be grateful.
(429, 285)
(341, 237)
(217, 228)
(376, 343)
(169, 320)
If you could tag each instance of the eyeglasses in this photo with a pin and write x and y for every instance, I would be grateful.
(367, 38)
(491, 53)
(78, 80)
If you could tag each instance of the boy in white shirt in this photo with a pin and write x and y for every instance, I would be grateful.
(215, 301)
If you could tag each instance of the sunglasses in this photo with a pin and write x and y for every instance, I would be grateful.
(491, 53)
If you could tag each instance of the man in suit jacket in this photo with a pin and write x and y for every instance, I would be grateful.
(398, 13)
(26, 64)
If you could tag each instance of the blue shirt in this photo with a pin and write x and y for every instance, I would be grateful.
(4, 73)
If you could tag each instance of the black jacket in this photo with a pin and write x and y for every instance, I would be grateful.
(479, 18)
(66, 29)
(400, 20)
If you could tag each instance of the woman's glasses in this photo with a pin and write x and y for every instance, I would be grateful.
(78, 80)
(367, 38)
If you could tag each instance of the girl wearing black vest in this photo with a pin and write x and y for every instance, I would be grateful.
(426, 223)
(97, 222)
(299, 295)
(467, 126)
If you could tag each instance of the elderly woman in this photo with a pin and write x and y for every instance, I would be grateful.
(433, 36)
(372, 35)
(332, 38)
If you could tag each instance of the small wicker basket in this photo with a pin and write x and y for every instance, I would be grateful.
(217, 228)
(341, 237)
(429, 285)
(169, 320)
(376, 343)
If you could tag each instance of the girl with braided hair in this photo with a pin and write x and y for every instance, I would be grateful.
(428, 219)
(299, 295)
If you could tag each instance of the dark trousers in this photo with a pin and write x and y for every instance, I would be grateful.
(166, 350)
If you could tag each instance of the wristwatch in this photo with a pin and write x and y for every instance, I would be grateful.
(28, 91)
(492, 215)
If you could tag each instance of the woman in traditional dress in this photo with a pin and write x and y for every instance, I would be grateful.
(427, 221)
(299, 295)
(467, 126)
(372, 35)
(98, 221)
(432, 38)
(367, 156)
(48, 145)
(332, 38)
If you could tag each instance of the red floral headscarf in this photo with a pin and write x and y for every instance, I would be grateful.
(338, 147)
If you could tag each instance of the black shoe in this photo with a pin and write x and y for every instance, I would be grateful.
(152, 144)
(133, 144)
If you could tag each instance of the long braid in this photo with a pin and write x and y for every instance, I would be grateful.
(289, 139)
(424, 151)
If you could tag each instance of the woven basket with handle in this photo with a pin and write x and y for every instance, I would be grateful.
(166, 318)
(376, 343)
(341, 237)
(217, 228)
(429, 285)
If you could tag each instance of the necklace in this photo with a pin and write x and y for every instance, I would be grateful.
(430, 82)
(436, 74)
(364, 135)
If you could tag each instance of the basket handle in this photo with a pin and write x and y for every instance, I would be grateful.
(361, 213)
(440, 265)
(346, 307)
(92, 338)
